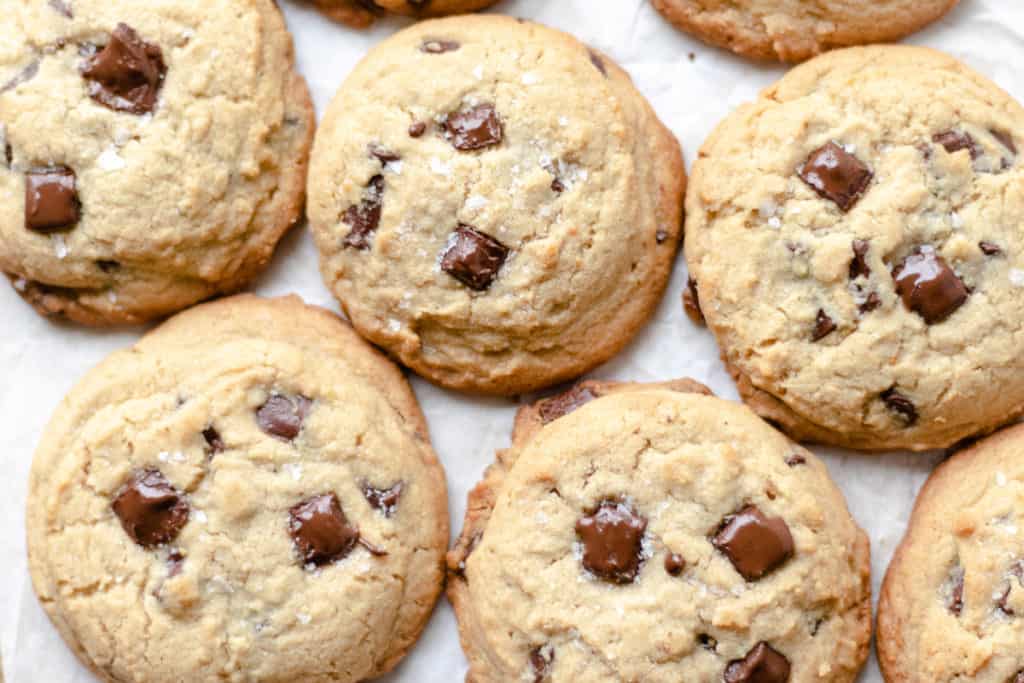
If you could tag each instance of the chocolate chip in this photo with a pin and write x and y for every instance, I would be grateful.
(870, 303)
(383, 500)
(474, 128)
(762, 664)
(320, 530)
(282, 416)
(707, 642)
(859, 265)
(755, 544)
(51, 199)
(436, 47)
(557, 186)
(1005, 139)
(108, 266)
(213, 440)
(598, 62)
(928, 286)
(674, 564)
(796, 460)
(898, 403)
(837, 175)
(541, 663)
(23, 76)
(691, 303)
(990, 248)
(127, 74)
(365, 216)
(417, 129)
(612, 540)
(382, 154)
(62, 7)
(473, 258)
(955, 604)
(955, 141)
(151, 510)
(558, 406)
(823, 326)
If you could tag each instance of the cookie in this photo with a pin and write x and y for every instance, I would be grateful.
(249, 493)
(854, 236)
(151, 154)
(953, 596)
(362, 13)
(494, 203)
(792, 31)
(656, 533)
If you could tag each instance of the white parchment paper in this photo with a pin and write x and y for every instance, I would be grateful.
(693, 87)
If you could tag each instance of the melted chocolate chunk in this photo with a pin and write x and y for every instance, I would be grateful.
(365, 216)
(898, 403)
(558, 406)
(382, 154)
(417, 129)
(755, 544)
(955, 604)
(214, 442)
(151, 510)
(674, 564)
(859, 265)
(282, 417)
(796, 460)
(612, 540)
(383, 500)
(436, 47)
(928, 286)
(320, 530)
(127, 74)
(837, 175)
(691, 303)
(23, 76)
(473, 258)
(51, 199)
(474, 128)
(598, 63)
(823, 326)
(990, 248)
(954, 141)
(762, 664)
(541, 659)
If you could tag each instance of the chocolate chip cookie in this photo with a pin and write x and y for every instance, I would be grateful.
(495, 204)
(855, 240)
(249, 493)
(151, 154)
(656, 533)
(794, 30)
(362, 13)
(952, 602)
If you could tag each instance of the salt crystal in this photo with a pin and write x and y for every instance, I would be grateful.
(530, 78)
(1000, 479)
(303, 617)
(476, 202)
(1017, 277)
(60, 247)
(439, 167)
(955, 220)
(200, 516)
(478, 72)
(110, 160)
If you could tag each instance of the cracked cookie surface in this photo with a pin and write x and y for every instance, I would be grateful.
(151, 155)
(855, 240)
(362, 13)
(656, 533)
(249, 493)
(952, 603)
(502, 212)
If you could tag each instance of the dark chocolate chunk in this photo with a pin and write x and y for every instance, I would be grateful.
(321, 532)
(558, 406)
(473, 258)
(557, 186)
(51, 199)
(127, 74)
(955, 604)
(954, 141)
(365, 216)
(611, 537)
(382, 154)
(898, 403)
(63, 7)
(214, 441)
(762, 664)
(755, 544)
(928, 286)
(990, 248)
(383, 500)
(23, 76)
(151, 510)
(796, 460)
(837, 175)
(474, 128)
(674, 564)
(598, 63)
(859, 265)
(417, 129)
(691, 303)
(436, 47)
(823, 326)
(282, 416)
(540, 662)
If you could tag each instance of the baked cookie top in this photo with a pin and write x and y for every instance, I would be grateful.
(951, 604)
(151, 153)
(650, 534)
(249, 493)
(494, 203)
(362, 13)
(855, 237)
(795, 30)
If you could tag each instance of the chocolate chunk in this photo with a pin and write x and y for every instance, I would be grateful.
(990, 248)
(955, 604)
(23, 76)
(557, 186)
(436, 47)
(417, 129)
(541, 659)
(755, 544)
(1005, 139)
(108, 266)
(674, 564)
(955, 141)
(365, 216)
(383, 500)
(127, 74)
(282, 417)
(382, 154)
(870, 303)
(928, 286)
(598, 62)
(8, 154)
(320, 530)
(691, 303)
(151, 510)
(837, 175)
(859, 265)
(707, 642)
(761, 665)
(213, 440)
(796, 460)
(823, 326)
(612, 540)
(62, 7)
(558, 406)
(51, 199)
(473, 258)
(898, 403)
(474, 128)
